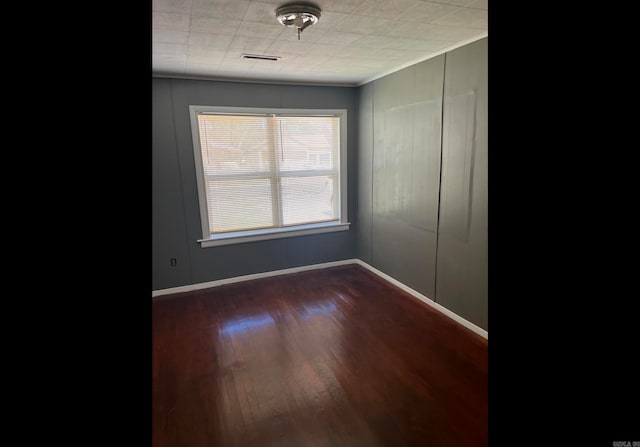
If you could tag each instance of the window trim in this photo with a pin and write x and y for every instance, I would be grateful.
(212, 240)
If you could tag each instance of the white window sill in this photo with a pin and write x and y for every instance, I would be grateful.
(272, 233)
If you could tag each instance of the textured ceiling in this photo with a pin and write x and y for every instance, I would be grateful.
(353, 42)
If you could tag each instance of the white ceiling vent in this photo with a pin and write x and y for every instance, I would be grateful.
(298, 15)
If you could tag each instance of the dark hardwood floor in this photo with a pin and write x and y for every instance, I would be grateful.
(333, 357)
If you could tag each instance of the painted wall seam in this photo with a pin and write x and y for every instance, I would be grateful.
(373, 154)
(435, 274)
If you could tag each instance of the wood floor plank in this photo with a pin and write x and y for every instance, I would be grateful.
(332, 357)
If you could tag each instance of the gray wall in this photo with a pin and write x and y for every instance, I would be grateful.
(176, 219)
(402, 116)
(406, 107)
(462, 242)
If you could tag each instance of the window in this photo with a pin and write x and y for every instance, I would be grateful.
(267, 173)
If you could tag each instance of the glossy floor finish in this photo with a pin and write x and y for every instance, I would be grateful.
(333, 357)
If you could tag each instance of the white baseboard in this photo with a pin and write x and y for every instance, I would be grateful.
(205, 285)
(457, 318)
(221, 282)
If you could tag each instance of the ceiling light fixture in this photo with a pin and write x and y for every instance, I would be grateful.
(298, 15)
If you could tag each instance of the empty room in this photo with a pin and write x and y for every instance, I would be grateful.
(319, 223)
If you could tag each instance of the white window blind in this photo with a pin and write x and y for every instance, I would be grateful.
(268, 171)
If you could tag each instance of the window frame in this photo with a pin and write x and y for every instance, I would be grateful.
(212, 240)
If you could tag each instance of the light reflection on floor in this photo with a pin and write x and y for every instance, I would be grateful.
(245, 324)
(240, 325)
(253, 341)
(322, 308)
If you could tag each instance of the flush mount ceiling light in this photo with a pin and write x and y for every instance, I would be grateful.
(298, 16)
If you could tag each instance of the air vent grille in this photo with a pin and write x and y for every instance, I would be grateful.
(261, 57)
